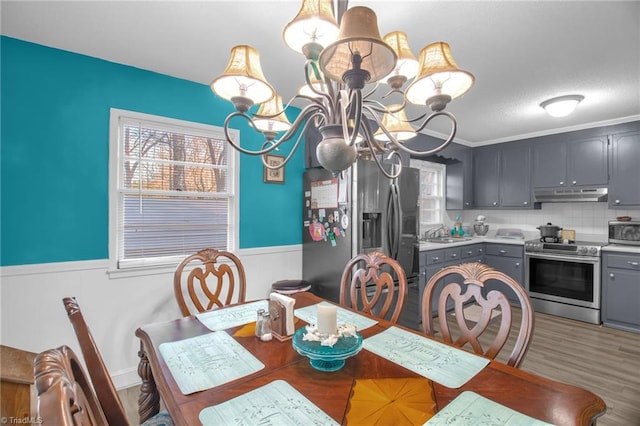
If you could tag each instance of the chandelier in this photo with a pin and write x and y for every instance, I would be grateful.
(340, 61)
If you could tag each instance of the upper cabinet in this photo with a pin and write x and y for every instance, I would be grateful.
(486, 173)
(459, 180)
(559, 163)
(624, 183)
(515, 175)
(502, 175)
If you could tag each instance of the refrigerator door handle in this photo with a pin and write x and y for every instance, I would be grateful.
(389, 224)
(393, 219)
(397, 234)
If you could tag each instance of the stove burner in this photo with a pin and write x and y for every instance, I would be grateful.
(549, 239)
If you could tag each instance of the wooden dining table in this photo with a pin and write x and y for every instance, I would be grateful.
(541, 398)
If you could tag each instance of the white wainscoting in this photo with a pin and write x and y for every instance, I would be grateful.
(33, 316)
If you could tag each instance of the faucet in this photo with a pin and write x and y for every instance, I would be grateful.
(435, 231)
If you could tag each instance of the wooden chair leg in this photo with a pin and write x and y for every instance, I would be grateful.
(149, 399)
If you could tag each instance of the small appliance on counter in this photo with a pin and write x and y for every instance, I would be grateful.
(479, 227)
(626, 232)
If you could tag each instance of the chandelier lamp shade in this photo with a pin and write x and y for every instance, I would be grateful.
(340, 62)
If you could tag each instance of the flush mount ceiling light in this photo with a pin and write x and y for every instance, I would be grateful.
(562, 105)
(340, 62)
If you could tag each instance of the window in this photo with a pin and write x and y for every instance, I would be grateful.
(432, 198)
(172, 190)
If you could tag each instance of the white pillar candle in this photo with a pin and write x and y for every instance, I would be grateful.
(327, 318)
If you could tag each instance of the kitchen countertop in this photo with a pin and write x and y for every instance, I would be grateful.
(425, 246)
(615, 247)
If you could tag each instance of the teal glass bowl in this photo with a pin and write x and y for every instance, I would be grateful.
(327, 358)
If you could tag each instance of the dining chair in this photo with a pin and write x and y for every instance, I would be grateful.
(105, 391)
(461, 294)
(65, 395)
(215, 286)
(373, 283)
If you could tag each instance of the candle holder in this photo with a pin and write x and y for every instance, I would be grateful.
(324, 357)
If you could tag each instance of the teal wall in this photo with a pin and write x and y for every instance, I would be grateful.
(55, 154)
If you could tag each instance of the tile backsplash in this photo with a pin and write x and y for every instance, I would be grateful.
(588, 219)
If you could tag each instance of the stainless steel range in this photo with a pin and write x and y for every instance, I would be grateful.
(564, 278)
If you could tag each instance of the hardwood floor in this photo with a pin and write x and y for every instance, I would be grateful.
(603, 360)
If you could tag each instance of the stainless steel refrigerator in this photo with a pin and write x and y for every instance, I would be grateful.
(357, 212)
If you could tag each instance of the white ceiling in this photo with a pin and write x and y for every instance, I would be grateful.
(521, 52)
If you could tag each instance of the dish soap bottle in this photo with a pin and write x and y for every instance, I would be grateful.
(457, 230)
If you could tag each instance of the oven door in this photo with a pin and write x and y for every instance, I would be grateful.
(573, 280)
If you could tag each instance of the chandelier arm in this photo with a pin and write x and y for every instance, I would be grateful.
(314, 101)
(310, 65)
(372, 91)
(368, 137)
(396, 91)
(380, 147)
(452, 135)
(305, 116)
(289, 156)
(355, 101)
(308, 112)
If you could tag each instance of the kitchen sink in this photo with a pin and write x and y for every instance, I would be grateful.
(445, 240)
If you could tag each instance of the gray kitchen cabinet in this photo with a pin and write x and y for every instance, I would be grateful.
(432, 261)
(560, 163)
(621, 290)
(507, 258)
(459, 181)
(486, 172)
(624, 187)
(503, 176)
(515, 175)
(472, 253)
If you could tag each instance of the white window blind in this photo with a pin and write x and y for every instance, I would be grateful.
(175, 189)
(432, 197)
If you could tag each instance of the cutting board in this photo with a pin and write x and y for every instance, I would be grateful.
(568, 234)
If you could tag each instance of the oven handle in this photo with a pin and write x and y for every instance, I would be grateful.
(577, 259)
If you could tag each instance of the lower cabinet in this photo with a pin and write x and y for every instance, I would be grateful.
(621, 290)
(507, 258)
(433, 260)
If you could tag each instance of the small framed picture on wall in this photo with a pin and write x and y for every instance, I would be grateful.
(274, 175)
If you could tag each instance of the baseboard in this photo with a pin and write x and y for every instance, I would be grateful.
(124, 379)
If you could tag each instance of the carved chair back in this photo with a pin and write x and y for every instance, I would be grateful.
(210, 281)
(65, 395)
(104, 388)
(374, 283)
(461, 287)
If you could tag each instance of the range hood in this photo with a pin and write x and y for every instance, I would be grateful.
(569, 195)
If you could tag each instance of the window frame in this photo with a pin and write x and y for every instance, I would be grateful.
(165, 264)
(441, 169)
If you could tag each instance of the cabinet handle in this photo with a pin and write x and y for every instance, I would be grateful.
(617, 201)
(502, 251)
(526, 203)
(436, 258)
(467, 203)
(633, 263)
(517, 264)
(495, 203)
(611, 275)
(561, 182)
(573, 182)
(454, 255)
(479, 250)
(470, 252)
